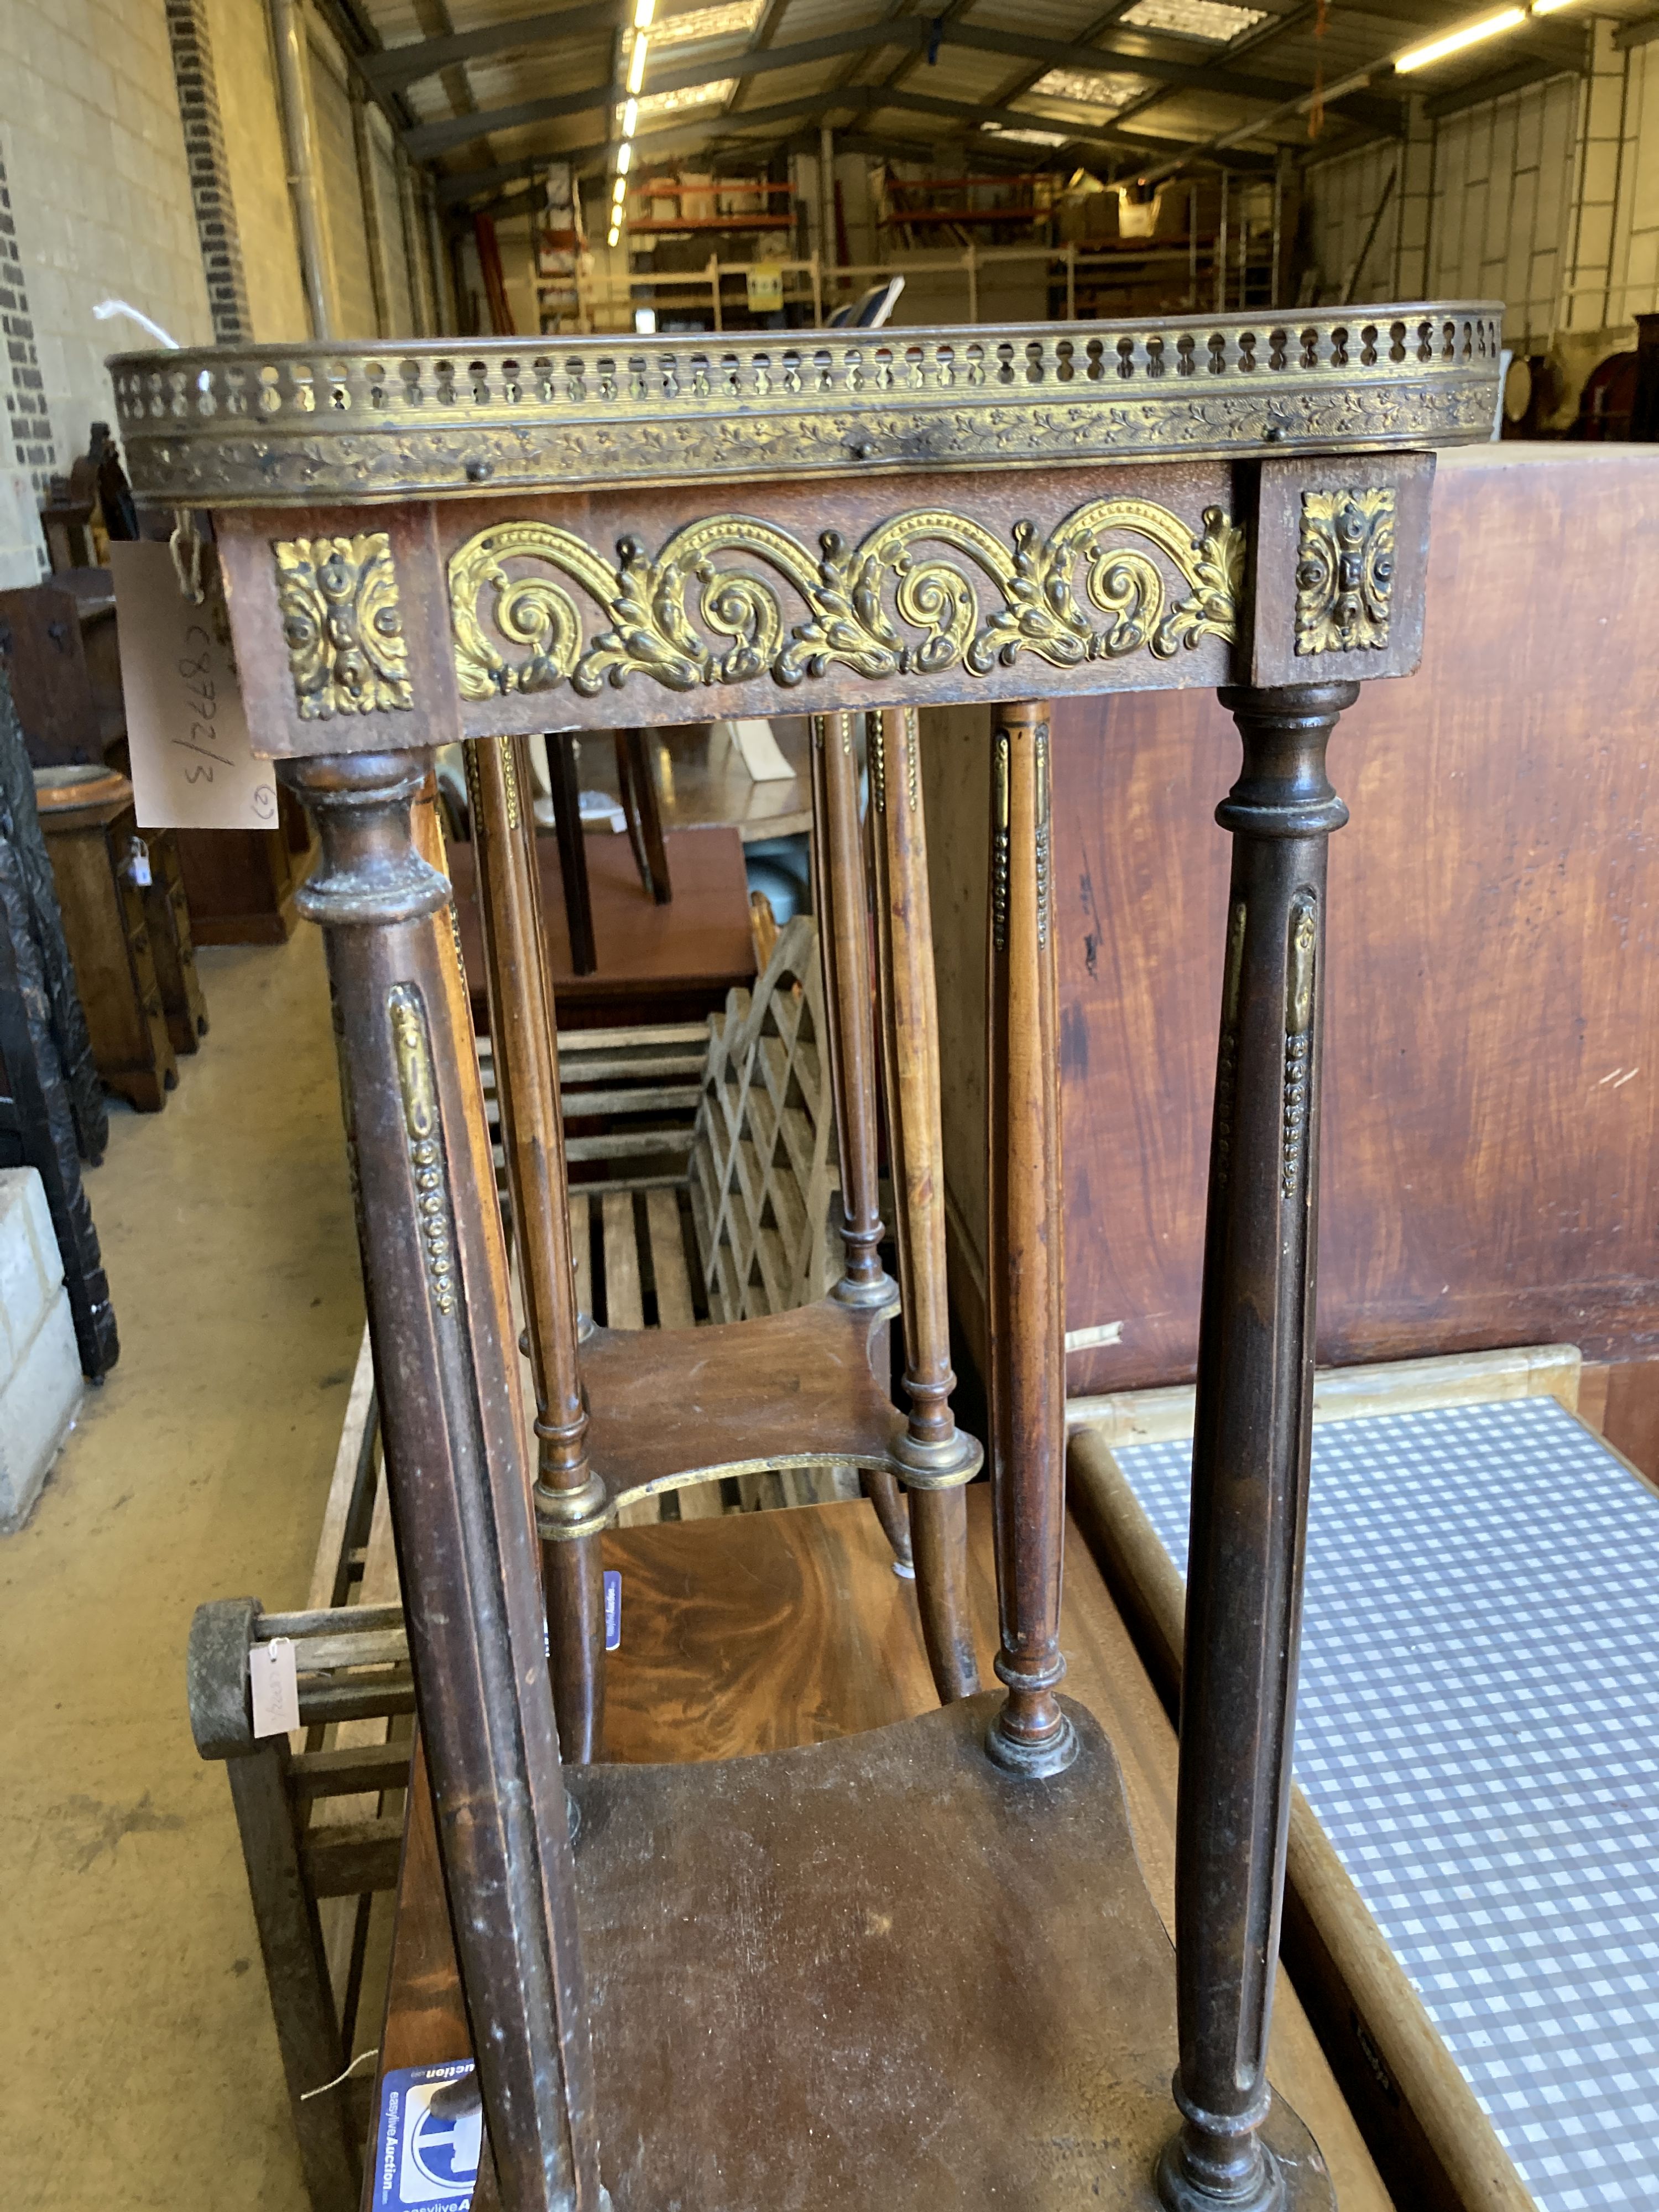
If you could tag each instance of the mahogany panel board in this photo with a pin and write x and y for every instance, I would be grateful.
(1490, 1094)
(755, 1632)
(694, 950)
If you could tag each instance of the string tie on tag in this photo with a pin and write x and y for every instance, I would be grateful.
(362, 2059)
(185, 547)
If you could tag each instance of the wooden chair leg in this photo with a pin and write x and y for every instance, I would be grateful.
(570, 1499)
(937, 1457)
(435, 1279)
(1030, 1733)
(1251, 1449)
(563, 776)
(644, 815)
(291, 1945)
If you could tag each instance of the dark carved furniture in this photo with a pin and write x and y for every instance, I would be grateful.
(52, 1114)
(930, 1946)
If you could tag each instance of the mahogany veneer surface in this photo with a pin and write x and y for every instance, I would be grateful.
(755, 1632)
(681, 958)
(1490, 1109)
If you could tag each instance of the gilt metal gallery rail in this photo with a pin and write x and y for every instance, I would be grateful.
(310, 424)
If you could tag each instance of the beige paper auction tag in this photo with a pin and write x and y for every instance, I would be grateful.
(193, 765)
(274, 1680)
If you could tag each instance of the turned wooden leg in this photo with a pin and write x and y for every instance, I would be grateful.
(435, 1278)
(1251, 1449)
(937, 1457)
(565, 780)
(1025, 1267)
(570, 1499)
(844, 947)
(643, 815)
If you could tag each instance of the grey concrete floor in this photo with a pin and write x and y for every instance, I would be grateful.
(138, 2056)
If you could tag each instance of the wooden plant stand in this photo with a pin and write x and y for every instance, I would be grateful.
(421, 549)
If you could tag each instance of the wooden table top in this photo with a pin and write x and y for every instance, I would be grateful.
(754, 1632)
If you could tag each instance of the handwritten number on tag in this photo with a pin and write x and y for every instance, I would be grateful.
(275, 1688)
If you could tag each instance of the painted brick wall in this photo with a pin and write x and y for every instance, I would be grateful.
(197, 84)
(336, 157)
(100, 192)
(247, 71)
(30, 448)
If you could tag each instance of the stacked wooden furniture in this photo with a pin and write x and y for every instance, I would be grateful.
(918, 1967)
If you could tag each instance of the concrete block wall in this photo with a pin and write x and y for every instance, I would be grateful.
(1504, 179)
(1483, 207)
(100, 190)
(197, 81)
(258, 164)
(89, 132)
(1633, 262)
(142, 158)
(343, 205)
(1547, 199)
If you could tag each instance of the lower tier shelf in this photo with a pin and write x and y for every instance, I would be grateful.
(760, 1633)
(806, 1388)
(881, 1973)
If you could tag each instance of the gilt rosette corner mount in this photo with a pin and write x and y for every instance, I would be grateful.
(342, 625)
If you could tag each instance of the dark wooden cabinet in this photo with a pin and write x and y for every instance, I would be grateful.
(108, 895)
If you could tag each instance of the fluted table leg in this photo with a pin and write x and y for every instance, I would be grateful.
(435, 1275)
(570, 1500)
(1025, 1268)
(844, 947)
(932, 1444)
(1251, 1449)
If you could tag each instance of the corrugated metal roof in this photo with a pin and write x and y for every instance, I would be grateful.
(723, 78)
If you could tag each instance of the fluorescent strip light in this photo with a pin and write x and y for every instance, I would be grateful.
(624, 159)
(637, 67)
(643, 11)
(1548, 7)
(631, 112)
(1454, 41)
(619, 191)
(614, 235)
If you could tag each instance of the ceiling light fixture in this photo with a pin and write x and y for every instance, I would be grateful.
(1469, 35)
(630, 118)
(643, 11)
(624, 160)
(636, 66)
(615, 234)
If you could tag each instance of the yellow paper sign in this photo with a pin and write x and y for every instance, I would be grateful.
(765, 291)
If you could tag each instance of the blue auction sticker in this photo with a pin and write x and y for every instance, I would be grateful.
(430, 2136)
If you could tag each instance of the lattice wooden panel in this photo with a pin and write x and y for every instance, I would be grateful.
(763, 1168)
